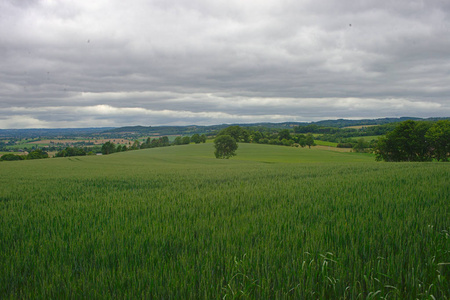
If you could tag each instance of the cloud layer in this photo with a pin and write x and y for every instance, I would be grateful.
(116, 63)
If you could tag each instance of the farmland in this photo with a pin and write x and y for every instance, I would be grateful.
(273, 222)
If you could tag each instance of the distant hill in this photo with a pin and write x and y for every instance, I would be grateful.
(134, 131)
(50, 132)
(192, 129)
(345, 123)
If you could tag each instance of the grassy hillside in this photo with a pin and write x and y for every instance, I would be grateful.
(175, 222)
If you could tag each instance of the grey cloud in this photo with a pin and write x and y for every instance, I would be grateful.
(213, 56)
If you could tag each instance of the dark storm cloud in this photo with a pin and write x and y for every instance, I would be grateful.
(114, 63)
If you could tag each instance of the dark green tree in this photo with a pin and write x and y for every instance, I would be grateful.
(438, 137)
(203, 138)
(406, 142)
(226, 146)
(164, 141)
(71, 151)
(360, 146)
(256, 136)
(11, 157)
(185, 140)
(284, 134)
(108, 148)
(196, 138)
(234, 131)
(136, 145)
(37, 154)
(177, 140)
(155, 143)
(146, 144)
(309, 140)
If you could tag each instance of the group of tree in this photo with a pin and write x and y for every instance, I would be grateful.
(154, 143)
(35, 154)
(415, 141)
(344, 135)
(196, 138)
(71, 151)
(226, 141)
(358, 145)
(264, 136)
(109, 147)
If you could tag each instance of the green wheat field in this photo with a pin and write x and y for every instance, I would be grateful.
(271, 223)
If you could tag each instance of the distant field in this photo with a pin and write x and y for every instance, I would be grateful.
(331, 148)
(325, 143)
(16, 153)
(272, 222)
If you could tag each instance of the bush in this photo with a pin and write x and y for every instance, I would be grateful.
(11, 157)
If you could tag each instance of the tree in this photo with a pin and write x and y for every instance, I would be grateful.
(136, 145)
(155, 143)
(256, 137)
(185, 140)
(406, 142)
(233, 131)
(177, 140)
(309, 140)
(164, 141)
(10, 157)
(203, 138)
(71, 151)
(108, 148)
(284, 134)
(438, 137)
(226, 146)
(360, 146)
(146, 144)
(196, 138)
(37, 154)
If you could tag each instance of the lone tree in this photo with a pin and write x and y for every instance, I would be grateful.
(225, 146)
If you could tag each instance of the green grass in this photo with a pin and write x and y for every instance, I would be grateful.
(26, 145)
(8, 152)
(273, 222)
(325, 143)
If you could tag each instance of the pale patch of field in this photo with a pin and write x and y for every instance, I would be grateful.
(57, 141)
(96, 142)
(115, 141)
(332, 148)
(15, 153)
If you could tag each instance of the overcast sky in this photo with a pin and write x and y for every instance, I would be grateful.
(85, 63)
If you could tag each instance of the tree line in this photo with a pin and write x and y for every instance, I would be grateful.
(263, 136)
(35, 154)
(109, 147)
